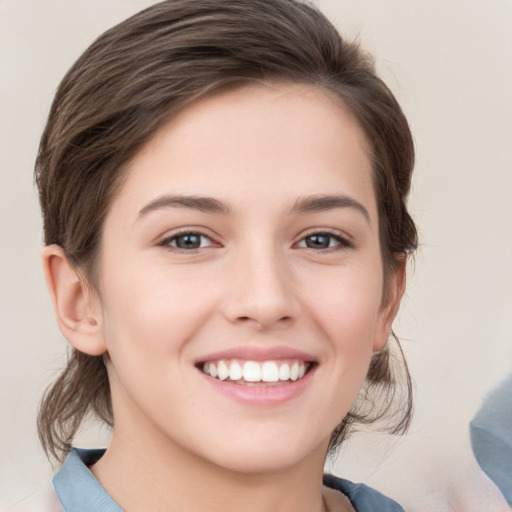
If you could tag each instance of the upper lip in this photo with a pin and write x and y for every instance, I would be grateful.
(248, 353)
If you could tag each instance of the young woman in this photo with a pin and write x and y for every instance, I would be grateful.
(223, 187)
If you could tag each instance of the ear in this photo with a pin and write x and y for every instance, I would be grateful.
(76, 307)
(394, 292)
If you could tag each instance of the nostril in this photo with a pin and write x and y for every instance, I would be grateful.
(248, 318)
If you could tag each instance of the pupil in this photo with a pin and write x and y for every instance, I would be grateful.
(188, 241)
(318, 241)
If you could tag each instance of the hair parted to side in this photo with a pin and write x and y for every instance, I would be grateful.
(131, 80)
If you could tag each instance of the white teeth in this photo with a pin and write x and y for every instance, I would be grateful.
(269, 372)
(284, 372)
(235, 372)
(294, 371)
(222, 370)
(253, 371)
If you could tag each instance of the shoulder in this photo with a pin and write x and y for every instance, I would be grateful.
(362, 497)
(491, 436)
(45, 500)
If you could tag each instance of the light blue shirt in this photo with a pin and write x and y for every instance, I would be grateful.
(79, 491)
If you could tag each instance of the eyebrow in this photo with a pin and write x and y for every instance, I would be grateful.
(323, 203)
(202, 204)
(310, 204)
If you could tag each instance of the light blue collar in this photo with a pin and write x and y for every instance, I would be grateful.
(76, 487)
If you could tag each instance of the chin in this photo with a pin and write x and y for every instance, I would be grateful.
(269, 456)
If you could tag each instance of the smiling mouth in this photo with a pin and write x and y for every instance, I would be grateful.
(251, 373)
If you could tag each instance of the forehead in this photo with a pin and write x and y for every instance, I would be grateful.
(254, 140)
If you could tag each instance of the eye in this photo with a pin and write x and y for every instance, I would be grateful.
(322, 241)
(187, 241)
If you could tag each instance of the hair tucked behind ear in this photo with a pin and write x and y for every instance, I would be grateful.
(138, 74)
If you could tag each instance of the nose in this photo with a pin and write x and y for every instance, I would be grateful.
(262, 291)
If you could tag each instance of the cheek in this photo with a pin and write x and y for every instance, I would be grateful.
(152, 310)
(348, 304)
(148, 321)
(348, 315)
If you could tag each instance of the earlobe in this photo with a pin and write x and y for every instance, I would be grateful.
(395, 291)
(77, 311)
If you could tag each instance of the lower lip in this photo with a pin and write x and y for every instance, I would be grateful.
(260, 394)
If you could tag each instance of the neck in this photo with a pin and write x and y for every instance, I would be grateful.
(148, 477)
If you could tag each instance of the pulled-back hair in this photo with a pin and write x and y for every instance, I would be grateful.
(127, 85)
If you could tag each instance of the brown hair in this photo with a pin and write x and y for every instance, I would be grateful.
(128, 83)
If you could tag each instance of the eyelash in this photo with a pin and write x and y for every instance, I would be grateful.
(341, 241)
(168, 241)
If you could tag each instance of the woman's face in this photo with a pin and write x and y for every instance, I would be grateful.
(241, 279)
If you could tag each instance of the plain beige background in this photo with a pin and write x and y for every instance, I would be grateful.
(449, 63)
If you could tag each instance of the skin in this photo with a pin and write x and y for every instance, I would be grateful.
(256, 280)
